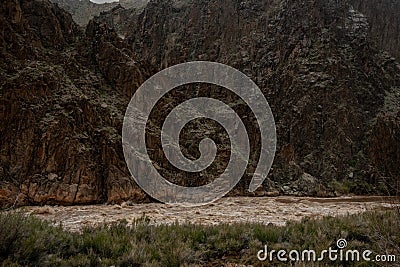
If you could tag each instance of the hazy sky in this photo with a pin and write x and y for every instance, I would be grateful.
(103, 1)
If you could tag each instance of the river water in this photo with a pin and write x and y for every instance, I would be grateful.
(275, 210)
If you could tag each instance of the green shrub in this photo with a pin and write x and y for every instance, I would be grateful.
(28, 241)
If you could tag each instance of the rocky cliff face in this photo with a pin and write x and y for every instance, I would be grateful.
(334, 94)
(62, 109)
(384, 23)
(329, 87)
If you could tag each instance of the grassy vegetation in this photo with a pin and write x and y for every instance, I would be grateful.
(28, 241)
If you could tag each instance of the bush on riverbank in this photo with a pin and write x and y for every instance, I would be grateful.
(28, 241)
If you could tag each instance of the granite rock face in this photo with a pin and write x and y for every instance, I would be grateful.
(331, 89)
(62, 109)
(334, 92)
(384, 23)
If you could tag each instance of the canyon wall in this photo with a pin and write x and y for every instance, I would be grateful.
(334, 92)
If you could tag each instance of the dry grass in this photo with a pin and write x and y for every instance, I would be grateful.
(27, 241)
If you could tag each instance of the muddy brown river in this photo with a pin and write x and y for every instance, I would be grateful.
(275, 210)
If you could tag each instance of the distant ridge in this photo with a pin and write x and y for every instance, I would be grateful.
(84, 10)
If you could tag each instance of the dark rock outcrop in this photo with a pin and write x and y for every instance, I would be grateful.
(324, 78)
(61, 117)
(63, 92)
(384, 23)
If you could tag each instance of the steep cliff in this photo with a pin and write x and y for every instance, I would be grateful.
(329, 86)
(61, 110)
(334, 93)
(384, 23)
